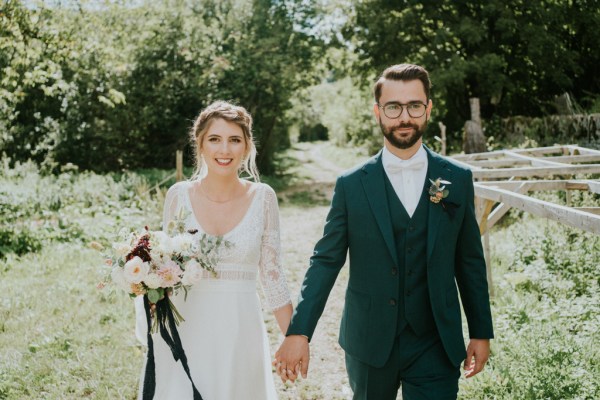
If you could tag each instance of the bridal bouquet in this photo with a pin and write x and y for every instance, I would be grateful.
(156, 263)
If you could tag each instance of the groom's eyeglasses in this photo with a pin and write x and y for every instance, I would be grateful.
(394, 110)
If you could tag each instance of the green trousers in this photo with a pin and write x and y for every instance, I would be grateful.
(419, 365)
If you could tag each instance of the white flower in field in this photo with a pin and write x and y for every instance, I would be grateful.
(170, 273)
(118, 278)
(193, 273)
(135, 270)
(516, 278)
(153, 281)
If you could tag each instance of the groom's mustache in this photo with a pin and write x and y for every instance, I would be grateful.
(406, 125)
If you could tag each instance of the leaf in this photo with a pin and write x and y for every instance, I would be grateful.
(154, 295)
(445, 193)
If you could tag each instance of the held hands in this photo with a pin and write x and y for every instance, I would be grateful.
(292, 358)
(478, 353)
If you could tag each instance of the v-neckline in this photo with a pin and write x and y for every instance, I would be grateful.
(193, 213)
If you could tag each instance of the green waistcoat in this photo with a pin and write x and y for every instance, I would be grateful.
(410, 235)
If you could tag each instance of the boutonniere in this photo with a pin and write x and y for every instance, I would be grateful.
(437, 194)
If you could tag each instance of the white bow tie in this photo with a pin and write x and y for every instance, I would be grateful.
(395, 166)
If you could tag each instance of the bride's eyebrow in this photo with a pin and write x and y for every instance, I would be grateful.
(220, 136)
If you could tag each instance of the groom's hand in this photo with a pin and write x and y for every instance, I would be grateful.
(478, 353)
(292, 358)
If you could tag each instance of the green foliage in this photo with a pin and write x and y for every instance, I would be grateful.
(41, 209)
(544, 131)
(546, 315)
(516, 56)
(116, 85)
(343, 108)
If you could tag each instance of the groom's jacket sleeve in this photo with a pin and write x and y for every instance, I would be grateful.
(470, 270)
(328, 258)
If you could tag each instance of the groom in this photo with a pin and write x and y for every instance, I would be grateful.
(406, 217)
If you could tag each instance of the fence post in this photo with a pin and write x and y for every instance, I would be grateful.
(443, 137)
(179, 165)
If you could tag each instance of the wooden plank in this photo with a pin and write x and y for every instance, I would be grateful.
(582, 150)
(507, 162)
(594, 187)
(577, 185)
(585, 158)
(592, 210)
(498, 163)
(578, 219)
(536, 171)
(483, 219)
(179, 165)
(556, 149)
(536, 162)
(502, 208)
(466, 165)
(479, 156)
(488, 262)
(544, 185)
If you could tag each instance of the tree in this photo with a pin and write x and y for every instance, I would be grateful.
(109, 85)
(514, 55)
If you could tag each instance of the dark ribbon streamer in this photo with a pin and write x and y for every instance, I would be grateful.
(164, 315)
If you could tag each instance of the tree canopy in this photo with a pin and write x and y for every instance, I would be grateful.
(108, 85)
(117, 85)
(515, 55)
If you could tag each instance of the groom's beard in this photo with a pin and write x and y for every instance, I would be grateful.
(397, 140)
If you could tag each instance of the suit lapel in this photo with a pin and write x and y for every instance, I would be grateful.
(437, 168)
(374, 186)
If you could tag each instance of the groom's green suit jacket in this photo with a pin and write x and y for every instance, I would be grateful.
(359, 224)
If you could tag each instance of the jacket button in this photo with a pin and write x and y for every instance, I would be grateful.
(392, 302)
(394, 271)
(411, 228)
(408, 293)
(410, 249)
(409, 272)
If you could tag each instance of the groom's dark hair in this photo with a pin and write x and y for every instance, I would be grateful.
(403, 72)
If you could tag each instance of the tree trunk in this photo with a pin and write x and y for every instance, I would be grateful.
(473, 140)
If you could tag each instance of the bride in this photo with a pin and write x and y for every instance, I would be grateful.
(223, 334)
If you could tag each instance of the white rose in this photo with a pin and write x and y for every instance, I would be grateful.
(153, 281)
(181, 244)
(161, 243)
(121, 249)
(192, 274)
(118, 278)
(135, 270)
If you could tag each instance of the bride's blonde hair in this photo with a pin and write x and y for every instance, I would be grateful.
(231, 113)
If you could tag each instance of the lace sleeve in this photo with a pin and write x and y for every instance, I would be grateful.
(272, 277)
(171, 207)
(172, 203)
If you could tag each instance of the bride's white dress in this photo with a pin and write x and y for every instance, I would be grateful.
(224, 335)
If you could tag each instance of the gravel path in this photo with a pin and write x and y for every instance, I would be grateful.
(300, 230)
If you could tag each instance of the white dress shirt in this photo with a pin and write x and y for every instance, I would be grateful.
(406, 176)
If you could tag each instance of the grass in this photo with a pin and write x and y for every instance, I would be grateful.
(61, 338)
